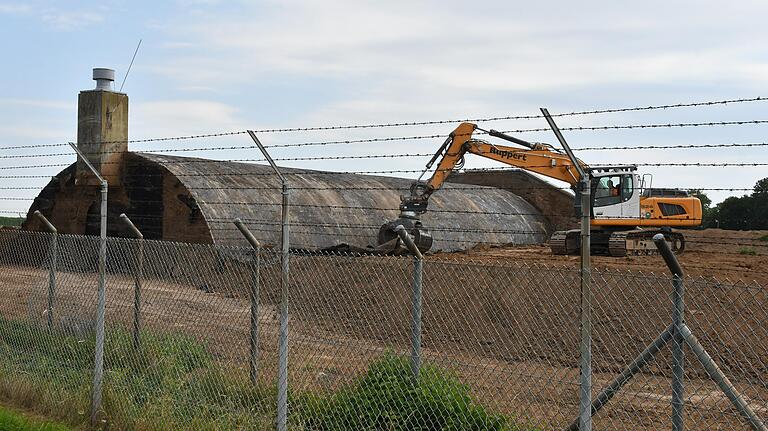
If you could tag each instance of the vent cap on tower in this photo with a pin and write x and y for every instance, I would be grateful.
(104, 78)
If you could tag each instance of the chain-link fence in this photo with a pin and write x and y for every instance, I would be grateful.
(375, 342)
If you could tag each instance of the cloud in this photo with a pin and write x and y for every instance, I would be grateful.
(169, 117)
(70, 20)
(460, 48)
(62, 20)
(229, 66)
(39, 103)
(14, 8)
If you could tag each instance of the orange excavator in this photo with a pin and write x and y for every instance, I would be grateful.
(625, 212)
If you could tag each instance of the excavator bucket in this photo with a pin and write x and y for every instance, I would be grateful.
(388, 237)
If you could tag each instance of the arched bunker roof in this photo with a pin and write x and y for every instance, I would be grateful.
(320, 216)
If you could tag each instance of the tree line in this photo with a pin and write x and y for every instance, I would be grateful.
(748, 212)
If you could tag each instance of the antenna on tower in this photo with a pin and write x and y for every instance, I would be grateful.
(129, 66)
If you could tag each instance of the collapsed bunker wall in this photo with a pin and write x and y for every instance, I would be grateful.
(195, 200)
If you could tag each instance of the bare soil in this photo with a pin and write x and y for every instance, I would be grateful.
(723, 254)
(504, 319)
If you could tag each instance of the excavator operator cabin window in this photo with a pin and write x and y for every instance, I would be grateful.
(608, 191)
(627, 187)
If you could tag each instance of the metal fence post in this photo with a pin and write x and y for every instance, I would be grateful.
(254, 296)
(282, 374)
(282, 396)
(53, 257)
(678, 356)
(98, 373)
(418, 274)
(585, 391)
(98, 366)
(585, 394)
(685, 334)
(138, 275)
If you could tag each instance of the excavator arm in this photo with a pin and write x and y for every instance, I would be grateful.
(539, 158)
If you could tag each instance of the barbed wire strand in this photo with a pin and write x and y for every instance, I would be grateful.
(422, 123)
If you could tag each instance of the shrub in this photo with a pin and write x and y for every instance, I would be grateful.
(386, 398)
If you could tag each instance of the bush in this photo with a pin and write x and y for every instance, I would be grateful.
(386, 398)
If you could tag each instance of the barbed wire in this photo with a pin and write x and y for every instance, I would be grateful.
(405, 171)
(298, 171)
(449, 230)
(417, 123)
(373, 140)
(448, 187)
(729, 240)
(172, 162)
(643, 126)
(477, 120)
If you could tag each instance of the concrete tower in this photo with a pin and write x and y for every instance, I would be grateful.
(102, 129)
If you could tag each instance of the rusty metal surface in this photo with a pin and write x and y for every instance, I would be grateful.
(221, 191)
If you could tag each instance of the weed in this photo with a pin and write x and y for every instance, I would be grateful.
(748, 251)
(386, 397)
(763, 238)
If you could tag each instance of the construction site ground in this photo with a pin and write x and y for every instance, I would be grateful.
(513, 341)
(723, 254)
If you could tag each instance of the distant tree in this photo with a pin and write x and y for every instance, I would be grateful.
(760, 205)
(748, 212)
(708, 219)
(735, 213)
(761, 188)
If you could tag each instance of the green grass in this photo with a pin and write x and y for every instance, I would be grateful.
(763, 238)
(13, 421)
(174, 382)
(11, 221)
(748, 251)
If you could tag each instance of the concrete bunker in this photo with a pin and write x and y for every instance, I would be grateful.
(195, 200)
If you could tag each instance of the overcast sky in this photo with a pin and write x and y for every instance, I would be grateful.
(209, 66)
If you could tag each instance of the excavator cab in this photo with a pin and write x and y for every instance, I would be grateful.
(615, 192)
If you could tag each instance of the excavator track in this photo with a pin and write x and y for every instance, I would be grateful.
(640, 242)
(616, 244)
(565, 242)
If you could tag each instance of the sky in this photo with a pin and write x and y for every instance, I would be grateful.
(211, 66)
